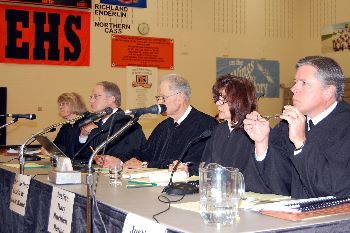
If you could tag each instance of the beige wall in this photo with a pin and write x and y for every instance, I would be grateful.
(282, 30)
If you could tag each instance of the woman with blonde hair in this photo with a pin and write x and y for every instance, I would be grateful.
(70, 106)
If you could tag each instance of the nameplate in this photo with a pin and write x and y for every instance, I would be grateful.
(18, 199)
(137, 224)
(61, 211)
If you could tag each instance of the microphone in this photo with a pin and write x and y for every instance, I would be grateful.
(26, 116)
(182, 188)
(154, 109)
(95, 116)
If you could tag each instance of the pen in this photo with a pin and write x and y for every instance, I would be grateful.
(134, 182)
(140, 185)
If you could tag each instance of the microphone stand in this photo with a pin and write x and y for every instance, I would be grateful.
(182, 188)
(32, 139)
(89, 177)
(10, 123)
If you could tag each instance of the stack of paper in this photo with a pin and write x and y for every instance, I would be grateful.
(142, 173)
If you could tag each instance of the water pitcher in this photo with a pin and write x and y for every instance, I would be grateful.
(220, 189)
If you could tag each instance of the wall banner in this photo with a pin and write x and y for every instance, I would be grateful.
(263, 73)
(84, 4)
(141, 87)
(35, 35)
(142, 51)
(128, 3)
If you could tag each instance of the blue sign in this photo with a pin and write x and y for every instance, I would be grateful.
(263, 73)
(128, 3)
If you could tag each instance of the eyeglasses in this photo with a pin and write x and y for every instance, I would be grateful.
(221, 99)
(61, 104)
(94, 97)
(162, 97)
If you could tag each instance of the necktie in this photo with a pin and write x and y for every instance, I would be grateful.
(311, 125)
(176, 124)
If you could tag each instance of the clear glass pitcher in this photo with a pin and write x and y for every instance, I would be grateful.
(221, 189)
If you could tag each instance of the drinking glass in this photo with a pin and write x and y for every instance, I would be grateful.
(115, 173)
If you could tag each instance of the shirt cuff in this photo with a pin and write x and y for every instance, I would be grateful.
(296, 152)
(83, 139)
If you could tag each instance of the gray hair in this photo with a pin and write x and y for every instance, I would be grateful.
(178, 83)
(111, 89)
(328, 73)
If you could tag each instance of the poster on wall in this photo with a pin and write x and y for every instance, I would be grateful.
(36, 35)
(84, 4)
(335, 37)
(141, 87)
(263, 73)
(128, 3)
(142, 51)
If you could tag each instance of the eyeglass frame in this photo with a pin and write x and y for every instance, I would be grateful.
(163, 98)
(221, 101)
(95, 97)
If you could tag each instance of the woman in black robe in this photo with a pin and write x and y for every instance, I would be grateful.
(229, 145)
(70, 105)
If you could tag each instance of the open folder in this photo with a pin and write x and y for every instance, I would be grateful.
(49, 146)
(55, 151)
(296, 210)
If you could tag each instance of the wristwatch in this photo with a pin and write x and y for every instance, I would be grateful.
(144, 164)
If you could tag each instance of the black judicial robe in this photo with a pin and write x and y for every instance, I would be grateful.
(235, 149)
(121, 147)
(166, 143)
(229, 149)
(67, 139)
(323, 166)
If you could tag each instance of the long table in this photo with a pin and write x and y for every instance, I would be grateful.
(115, 203)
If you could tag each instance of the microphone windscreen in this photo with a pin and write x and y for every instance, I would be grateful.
(108, 110)
(162, 108)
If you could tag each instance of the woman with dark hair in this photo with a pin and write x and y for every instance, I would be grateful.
(229, 145)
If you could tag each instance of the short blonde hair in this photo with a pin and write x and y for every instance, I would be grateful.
(75, 102)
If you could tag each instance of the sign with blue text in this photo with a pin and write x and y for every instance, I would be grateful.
(263, 73)
(128, 3)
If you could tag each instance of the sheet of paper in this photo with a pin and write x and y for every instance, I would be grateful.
(250, 199)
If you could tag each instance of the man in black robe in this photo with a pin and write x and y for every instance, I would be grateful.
(169, 139)
(307, 153)
(107, 94)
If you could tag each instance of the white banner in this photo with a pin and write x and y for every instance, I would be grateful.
(61, 211)
(134, 223)
(19, 193)
(141, 87)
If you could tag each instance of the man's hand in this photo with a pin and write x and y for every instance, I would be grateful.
(258, 130)
(106, 160)
(133, 163)
(180, 167)
(296, 121)
(86, 130)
